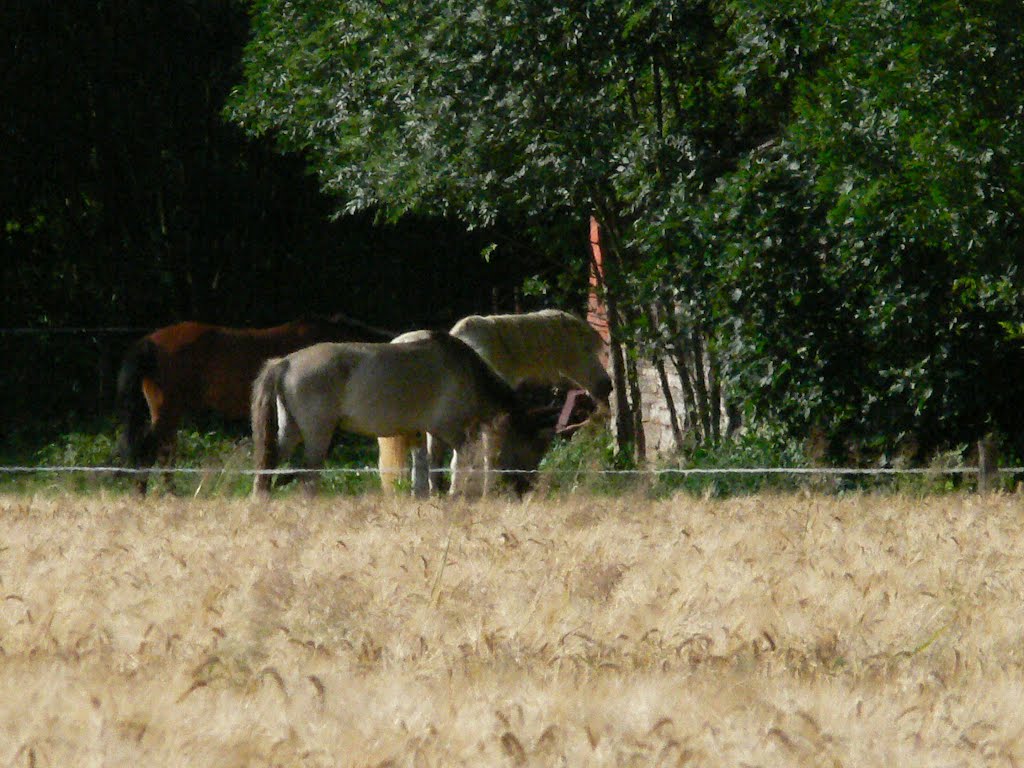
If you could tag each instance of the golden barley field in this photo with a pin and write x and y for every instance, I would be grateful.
(585, 631)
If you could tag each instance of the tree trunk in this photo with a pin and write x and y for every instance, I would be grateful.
(636, 410)
(678, 357)
(715, 387)
(690, 420)
(623, 424)
(700, 380)
(666, 389)
(624, 427)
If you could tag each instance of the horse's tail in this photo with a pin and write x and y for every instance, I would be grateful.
(265, 391)
(135, 444)
(391, 461)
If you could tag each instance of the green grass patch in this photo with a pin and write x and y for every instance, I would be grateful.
(218, 454)
(213, 457)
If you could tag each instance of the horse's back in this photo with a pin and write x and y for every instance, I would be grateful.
(217, 365)
(368, 372)
(211, 366)
(408, 336)
(179, 336)
(383, 389)
(542, 347)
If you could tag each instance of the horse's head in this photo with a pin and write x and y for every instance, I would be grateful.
(602, 391)
(527, 437)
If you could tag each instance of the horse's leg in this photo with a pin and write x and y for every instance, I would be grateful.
(491, 438)
(464, 467)
(148, 448)
(484, 462)
(270, 419)
(288, 439)
(317, 445)
(435, 451)
(466, 478)
(167, 458)
(474, 461)
(471, 461)
(421, 468)
(160, 445)
(457, 470)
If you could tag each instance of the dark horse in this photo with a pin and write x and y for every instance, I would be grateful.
(190, 367)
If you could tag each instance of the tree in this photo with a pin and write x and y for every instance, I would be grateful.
(819, 202)
(526, 112)
(891, 212)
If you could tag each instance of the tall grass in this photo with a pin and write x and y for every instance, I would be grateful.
(594, 630)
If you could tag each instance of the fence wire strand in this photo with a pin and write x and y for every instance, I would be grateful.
(670, 471)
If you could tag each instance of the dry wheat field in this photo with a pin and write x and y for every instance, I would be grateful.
(586, 631)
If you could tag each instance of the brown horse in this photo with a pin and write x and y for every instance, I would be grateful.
(190, 367)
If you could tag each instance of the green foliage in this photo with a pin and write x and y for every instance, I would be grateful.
(128, 201)
(223, 454)
(352, 452)
(829, 192)
(921, 485)
(745, 451)
(887, 221)
(587, 463)
(581, 464)
(79, 449)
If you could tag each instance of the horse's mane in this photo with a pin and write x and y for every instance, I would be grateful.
(493, 385)
(536, 345)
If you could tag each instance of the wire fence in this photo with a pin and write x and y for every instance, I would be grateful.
(558, 480)
(659, 472)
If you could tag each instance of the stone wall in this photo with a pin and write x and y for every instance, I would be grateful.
(654, 409)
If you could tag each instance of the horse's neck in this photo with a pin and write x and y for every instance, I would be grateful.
(542, 347)
(527, 353)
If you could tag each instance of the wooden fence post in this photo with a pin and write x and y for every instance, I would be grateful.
(988, 465)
